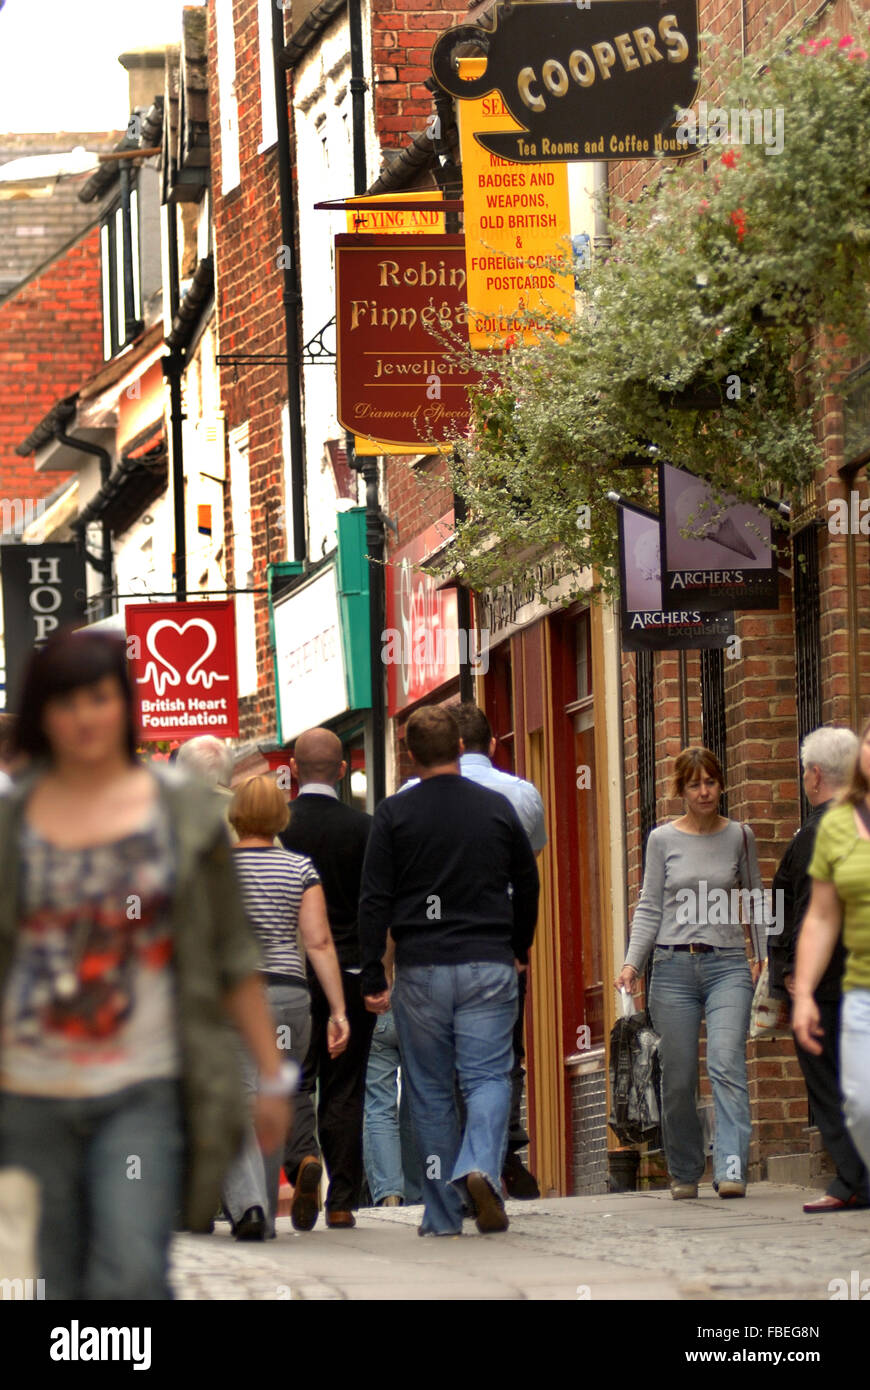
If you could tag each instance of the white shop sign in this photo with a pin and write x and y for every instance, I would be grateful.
(312, 686)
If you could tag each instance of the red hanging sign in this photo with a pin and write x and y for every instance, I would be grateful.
(183, 668)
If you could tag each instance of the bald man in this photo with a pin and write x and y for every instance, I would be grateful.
(334, 836)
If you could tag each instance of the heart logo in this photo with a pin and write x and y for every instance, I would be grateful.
(167, 673)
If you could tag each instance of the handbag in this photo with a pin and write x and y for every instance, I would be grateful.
(768, 1017)
(635, 1080)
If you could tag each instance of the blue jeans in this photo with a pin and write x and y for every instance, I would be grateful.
(855, 1067)
(110, 1173)
(685, 987)
(390, 1153)
(456, 1019)
(254, 1178)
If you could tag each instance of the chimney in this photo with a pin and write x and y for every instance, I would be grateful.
(145, 68)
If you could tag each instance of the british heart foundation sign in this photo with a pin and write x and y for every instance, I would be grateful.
(400, 312)
(183, 668)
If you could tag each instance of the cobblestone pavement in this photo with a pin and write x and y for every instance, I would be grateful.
(634, 1246)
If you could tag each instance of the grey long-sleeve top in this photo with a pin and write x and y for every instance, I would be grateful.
(687, 891)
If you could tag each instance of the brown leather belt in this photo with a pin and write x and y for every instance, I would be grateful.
(696, 948)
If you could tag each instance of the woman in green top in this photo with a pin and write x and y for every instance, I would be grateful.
(840, 868)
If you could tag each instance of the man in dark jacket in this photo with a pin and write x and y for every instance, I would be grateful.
(334, 837)
(450, 873)
(828, 757)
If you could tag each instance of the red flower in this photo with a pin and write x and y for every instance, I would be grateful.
(823, 43)
(845, 41)
(510, 341)
(730, 158)
(739, 220)
(858, 53)
(809, 47)
(703, 205)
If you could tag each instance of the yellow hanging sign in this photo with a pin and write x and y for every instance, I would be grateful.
(517, 222)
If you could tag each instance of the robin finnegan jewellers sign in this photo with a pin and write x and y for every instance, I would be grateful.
(183, 668)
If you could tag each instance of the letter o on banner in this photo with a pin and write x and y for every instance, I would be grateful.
(39, 605)
(555, 77)
(582, 68)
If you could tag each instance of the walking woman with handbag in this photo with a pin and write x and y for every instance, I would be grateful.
(840, 870)
(689, 916)
(124, 947)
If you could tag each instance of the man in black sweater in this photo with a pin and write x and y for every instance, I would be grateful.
(828, 757)
(449, 871)
(334, 837)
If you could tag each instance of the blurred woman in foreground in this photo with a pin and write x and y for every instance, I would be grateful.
(123, 947)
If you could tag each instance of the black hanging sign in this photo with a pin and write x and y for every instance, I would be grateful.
(716, 553)
(646, 624)
(44, 588)
(596, 82)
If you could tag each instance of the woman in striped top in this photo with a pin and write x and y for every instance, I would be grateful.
(282, 895)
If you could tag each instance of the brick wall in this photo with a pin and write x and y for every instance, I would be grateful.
(50, 343)
(250, 318)
(588, 1095)
(403, 32)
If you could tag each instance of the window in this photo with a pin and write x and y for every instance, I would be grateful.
(115, 291)
(227, 103)
(268, 111)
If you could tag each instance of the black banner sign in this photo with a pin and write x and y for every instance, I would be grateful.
(646, 624)
(715, 554)
(44, 588)
(597, 82)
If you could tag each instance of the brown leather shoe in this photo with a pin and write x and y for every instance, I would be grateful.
(489, 1212)
(340, 1220)
(306, 1194)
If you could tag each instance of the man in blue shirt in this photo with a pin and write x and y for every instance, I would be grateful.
(475, 763)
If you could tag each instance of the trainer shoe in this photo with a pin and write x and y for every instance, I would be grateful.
(730, 1188)
(683, 1191)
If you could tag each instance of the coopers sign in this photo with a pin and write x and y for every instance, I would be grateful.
(600, 82)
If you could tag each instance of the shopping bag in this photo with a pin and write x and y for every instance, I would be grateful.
(635, 1083)
(769, 1017)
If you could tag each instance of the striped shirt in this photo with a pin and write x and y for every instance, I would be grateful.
(272, 882)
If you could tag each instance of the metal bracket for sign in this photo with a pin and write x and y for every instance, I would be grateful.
(376, 205)
(314, 353)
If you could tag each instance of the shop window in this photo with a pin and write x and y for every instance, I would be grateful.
(500, 707)
(228, 106)
(268, 109)
(646, 745)
(584, 811)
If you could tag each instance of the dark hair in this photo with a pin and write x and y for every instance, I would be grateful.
(474, 727)
(693, 760)
(69, 660)
(432, 736)
(858, 788)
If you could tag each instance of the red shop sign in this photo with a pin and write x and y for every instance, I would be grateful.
(400, 305)
(183, 668)
(420, 647)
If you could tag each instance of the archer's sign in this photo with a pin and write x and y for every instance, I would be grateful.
(596, 83)
(401, 317)
(647, 624)
(717, 552)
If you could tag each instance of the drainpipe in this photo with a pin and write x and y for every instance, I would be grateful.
(173, 366)
(369, 466)
(449, 178)
(291, 296)
(103, 566)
